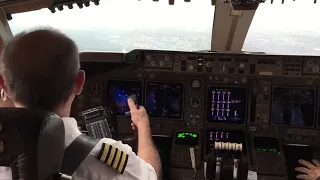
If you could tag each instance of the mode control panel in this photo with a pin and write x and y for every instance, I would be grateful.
(311, 67)
(292, 67)
(230, 63)
(158, 61)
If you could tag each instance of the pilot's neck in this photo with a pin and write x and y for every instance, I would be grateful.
(62, 111)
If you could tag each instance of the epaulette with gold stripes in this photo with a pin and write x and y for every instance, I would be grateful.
(113, 157)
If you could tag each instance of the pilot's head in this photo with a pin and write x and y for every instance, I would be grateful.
(40, 69)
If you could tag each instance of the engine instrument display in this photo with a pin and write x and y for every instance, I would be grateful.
(164, 100)
(187, 138)
(118, 92)
(293, 106)
(226, 105)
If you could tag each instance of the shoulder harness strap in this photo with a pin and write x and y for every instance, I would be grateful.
(76, 153)
(113, 157)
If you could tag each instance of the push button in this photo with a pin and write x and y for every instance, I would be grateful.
(298, 137)
(1, 147)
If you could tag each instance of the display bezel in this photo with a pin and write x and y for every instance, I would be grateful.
(245, 149)
(265, 137)
(294, 87)
(317, 123)
(125, 80)
(227, 86)
(183, 99)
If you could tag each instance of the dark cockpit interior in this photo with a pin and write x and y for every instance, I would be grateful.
(213, 115)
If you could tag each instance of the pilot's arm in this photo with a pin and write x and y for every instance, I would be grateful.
(111, 159)
(146, 148)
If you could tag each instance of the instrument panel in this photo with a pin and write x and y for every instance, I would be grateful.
(249, 103)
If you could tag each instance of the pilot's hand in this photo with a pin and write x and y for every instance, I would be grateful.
(311, 171)
(139, 117)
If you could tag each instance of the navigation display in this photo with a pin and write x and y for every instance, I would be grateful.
(226, 105)
(293, 106)
(164, 100)
(118, 92)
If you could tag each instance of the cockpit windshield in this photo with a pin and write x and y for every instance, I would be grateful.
(117, 25)
(289, 28)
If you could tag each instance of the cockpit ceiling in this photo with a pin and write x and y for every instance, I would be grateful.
(19, 6)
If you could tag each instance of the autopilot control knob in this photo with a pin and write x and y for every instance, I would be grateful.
(158, 126)
(315, 69)
(153, 63)
(148, 57)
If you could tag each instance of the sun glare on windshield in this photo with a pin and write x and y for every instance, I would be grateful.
(118, 25)
(289, 28)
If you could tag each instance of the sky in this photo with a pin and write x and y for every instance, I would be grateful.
(298, 15)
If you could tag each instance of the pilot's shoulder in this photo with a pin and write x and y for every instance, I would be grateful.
(112, 153)
(117, 144)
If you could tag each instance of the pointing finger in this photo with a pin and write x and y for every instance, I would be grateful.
(131, 104)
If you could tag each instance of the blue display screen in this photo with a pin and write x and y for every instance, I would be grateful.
(164, 99)
(118, 92)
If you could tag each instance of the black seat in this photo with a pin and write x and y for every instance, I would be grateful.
(31, 143)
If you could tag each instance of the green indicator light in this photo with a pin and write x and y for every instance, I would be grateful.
(187, 134)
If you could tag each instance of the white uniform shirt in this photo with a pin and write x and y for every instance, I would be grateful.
(93, 169)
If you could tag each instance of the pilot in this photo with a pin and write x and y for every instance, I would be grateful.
(40, 69)
(310, 171)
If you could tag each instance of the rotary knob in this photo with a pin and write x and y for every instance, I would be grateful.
(315, 69)
(158, 126)
(153, 63)
(148, 57)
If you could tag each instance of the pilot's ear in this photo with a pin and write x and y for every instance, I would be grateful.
(80, 80)
(5, 87)
(1, 82)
